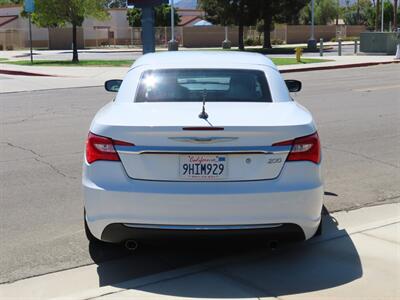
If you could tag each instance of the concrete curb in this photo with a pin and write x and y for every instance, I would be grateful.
(23, 73)
(353, 225)
(194, 269)
(344, 66)
(52, 89)
(317, 68)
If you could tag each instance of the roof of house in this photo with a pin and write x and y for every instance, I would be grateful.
(7, 19)
(190, 12)
(10, 5)
(188, 20)
(202, 23)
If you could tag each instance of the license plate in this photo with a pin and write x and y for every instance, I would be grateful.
(203, 166)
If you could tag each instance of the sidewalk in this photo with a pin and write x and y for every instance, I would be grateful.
(134, 51)
(58, 77)
(75, 77)
(340, 62)
(357, 257)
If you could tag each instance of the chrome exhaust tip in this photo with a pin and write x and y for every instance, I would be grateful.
(131, 245)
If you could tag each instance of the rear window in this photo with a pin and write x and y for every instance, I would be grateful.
(197, 85)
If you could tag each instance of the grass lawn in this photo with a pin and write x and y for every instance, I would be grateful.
(280, 61)
(286, 49)
(68, 63)
(3, 59)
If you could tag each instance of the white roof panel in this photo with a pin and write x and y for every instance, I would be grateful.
(228, 59)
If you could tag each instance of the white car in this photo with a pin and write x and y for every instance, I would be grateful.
(202, 143)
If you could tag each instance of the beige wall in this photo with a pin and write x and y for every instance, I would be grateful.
(22, 24)
(16, 33)
(117, 23)
(207, 36)
(355, 30)
(212, 36)
(96, 33)
(301, 33)
(61, 38)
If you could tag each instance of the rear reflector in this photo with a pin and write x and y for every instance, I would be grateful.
(102, 148)
(306, 148)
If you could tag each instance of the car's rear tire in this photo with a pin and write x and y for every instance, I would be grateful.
(319, 229)
(91, 238)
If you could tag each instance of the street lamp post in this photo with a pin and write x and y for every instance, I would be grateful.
(382, 16)
(29, 8)
(312, 43)
(172, 44)
(226, 44)
(172, 21)
(30, 36)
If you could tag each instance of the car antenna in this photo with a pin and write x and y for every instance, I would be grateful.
(203, 114)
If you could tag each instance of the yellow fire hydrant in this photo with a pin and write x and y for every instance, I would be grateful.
(299, 52)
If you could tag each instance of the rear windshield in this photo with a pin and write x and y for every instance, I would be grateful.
(196, 85)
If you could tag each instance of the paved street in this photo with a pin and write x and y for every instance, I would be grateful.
(42, 141)
(101, 54)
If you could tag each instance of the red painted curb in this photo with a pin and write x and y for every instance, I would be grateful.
(321, 68)
(368, 64)
(23, 73)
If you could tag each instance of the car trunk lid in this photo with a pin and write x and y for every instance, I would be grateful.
(233, 144)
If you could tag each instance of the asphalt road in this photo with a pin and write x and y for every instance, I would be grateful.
(42, 140)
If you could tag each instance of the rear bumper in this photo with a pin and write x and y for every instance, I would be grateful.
(116, 233)
(113, 199)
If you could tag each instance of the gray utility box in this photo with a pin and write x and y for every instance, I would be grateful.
(379, 42)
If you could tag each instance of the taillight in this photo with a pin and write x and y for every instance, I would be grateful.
(304, 148)
(102, 148)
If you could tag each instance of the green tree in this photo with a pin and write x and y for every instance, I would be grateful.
(387, 13)
(245, 16)
(360, 13)
(162, 16)
(391, 13)
(279, 11)
(326, 11)
(55, 13)
(267, 10)
(6, 2)
(262, 13)
(289, 11)
(231, 12)
(218, 12)
(134, 17)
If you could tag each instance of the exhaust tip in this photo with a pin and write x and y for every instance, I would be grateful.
(131, 245)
